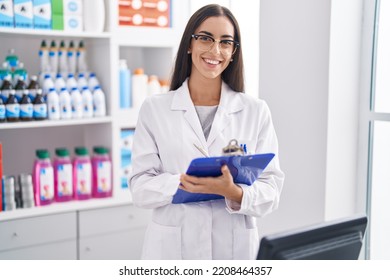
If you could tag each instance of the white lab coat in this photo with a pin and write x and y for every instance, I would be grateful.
(167, 128)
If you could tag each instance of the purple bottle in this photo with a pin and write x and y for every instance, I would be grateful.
(43, 178)
(101, 173)
(63, 176)
(82, 174)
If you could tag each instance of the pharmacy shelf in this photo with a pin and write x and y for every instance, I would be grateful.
(52, 33)
(69, 206)
(52, 123)
(146, 37)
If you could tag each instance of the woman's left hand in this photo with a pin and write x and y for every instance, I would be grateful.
(222, 185)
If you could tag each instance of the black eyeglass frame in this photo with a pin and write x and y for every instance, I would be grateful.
(236, 44)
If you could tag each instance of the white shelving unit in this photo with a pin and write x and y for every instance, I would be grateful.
(153, 49)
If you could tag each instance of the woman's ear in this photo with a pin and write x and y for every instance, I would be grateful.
(189, 51)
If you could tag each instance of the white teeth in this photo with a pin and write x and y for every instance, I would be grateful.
(214, 62)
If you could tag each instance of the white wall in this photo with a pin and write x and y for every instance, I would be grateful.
(343, 108)
(307, 76)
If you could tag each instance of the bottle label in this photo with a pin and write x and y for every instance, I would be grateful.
(26, 110)
(104, 177)
(12, 110)
(5, 94)
(46, 181)
(84, 180)
(40, 111)
(2, 112)
(64, 180)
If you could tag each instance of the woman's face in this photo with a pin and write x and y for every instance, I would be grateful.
(210, 62)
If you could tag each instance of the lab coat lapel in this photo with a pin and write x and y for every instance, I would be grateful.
(182, 102)
(230, 103)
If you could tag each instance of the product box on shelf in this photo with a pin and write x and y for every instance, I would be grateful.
(73, 15)
(1, 177)
(67, 15)
(57, 14)
(23, 10)
(152, 13)
(127, 136)
(42, 14)
(6, 13)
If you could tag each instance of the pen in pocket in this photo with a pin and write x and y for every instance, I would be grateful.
(243, 146)
(200, 149)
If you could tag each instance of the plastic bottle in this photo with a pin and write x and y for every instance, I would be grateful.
(59, 82)
(101, 172)
(81, 58)
(12, 108)
(76, 102)
(20, 72)
(71, 58)
(82, 174)
(164, 86)
(154, 86)
(33, 86)
(12, 59)
(65, 105)
(4, 71)
(81, 81)
(93, 81)
(18, 194)
(6, 88)
(71, 82)
(124, 85)
(99, 102)
(63, 176)
(2, 112)
(9, 193)
(53, 57)
(62, 59)
(139, 85)
(44, 57)
(26, 185)
(43, 178)
(87, 103)
(94, 15)
(53, 105)
(47, 84)
(26, 107)
(20, 86)
(39, 107)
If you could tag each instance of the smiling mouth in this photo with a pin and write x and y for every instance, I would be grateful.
(211, 61)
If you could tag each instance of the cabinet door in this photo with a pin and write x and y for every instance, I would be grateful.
(125, 245)
(20, 233)
(66, 250)
(112, 219)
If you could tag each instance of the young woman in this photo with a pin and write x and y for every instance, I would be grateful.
(206, 107)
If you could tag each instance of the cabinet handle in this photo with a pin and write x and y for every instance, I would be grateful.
(131, 217)
(87, 249)
(15, 234)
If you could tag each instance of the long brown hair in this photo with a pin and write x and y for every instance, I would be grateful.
(233, 75)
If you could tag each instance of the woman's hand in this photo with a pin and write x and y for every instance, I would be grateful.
(222, 185)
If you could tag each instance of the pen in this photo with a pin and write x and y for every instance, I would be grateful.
(201, 150)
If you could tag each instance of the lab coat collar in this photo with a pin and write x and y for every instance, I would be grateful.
(231, 102)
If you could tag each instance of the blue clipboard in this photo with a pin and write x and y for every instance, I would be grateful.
(244, 169)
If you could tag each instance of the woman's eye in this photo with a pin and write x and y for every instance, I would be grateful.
(227, 42)
(205, 39)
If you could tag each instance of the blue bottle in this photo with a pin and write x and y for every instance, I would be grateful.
(124, 85)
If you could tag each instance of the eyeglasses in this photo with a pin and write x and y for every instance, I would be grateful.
(206, 43)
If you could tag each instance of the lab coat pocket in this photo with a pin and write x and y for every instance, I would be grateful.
(162, 242)
(245, 243)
